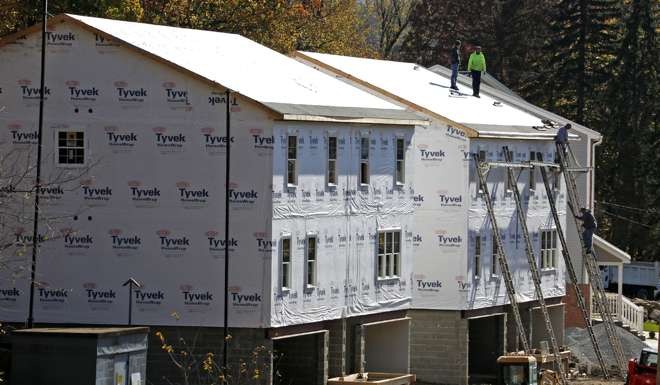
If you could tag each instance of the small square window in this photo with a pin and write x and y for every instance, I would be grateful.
(70, 148)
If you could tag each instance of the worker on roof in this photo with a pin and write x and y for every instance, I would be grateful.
(588, 227)
(455, 63)
(476, 65)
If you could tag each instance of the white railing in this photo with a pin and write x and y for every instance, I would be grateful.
(622, 309)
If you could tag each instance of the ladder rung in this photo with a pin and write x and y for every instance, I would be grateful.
(579, 169)
(508, 164)
(545, 164)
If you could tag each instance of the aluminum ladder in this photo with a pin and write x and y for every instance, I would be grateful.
(501, 255)
(568, 262)
(531, 259)
(591, 264)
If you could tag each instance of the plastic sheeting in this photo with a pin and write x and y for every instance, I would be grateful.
(344, 218)
(486, 288)
(151, 206)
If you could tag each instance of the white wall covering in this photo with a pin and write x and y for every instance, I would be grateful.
(153, 130)
(440, 217)
(345, 219)
(447, 217)
(487, 289)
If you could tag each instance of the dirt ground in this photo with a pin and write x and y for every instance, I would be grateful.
(596, 381)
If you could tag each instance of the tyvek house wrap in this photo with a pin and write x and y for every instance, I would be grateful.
(486, 288)
(444, 274)
(151, 204)
(345, 219)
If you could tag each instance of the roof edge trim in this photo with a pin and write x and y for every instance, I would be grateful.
(612, 250)
(316, 118)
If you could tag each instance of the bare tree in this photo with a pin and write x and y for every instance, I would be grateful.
(17, 192)
(388, 21)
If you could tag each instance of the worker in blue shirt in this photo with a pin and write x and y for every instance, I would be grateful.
(588, 227)
(562, 135)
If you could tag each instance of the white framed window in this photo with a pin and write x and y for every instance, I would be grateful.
(532, 175)
(310, 261)
(292, 160)
(477, 256)
(70, 148)
(548, 249)
(285, 263)
(400, 172)
(332, 161)
(494, 256)
(364, 160)
(389, 254)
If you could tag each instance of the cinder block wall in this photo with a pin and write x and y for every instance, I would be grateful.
(199, 341)
(438, 347)
(337, 348)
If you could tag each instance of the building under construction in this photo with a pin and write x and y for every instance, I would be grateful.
(378, 222)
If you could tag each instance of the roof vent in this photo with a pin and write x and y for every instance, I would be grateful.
(497, 103)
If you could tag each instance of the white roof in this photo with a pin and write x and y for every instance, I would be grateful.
(240, 64)
(493, 87)
(430, 91)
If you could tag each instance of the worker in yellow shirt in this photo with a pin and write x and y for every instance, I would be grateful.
(476, 65)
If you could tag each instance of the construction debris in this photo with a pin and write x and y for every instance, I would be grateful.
(577, 340)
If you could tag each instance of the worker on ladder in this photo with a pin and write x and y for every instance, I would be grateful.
(562, 136)
(588, 227)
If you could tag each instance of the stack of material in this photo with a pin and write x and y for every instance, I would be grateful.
(578, 342)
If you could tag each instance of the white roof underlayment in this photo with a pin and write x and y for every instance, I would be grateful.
(240, 64)
(430, 90)
(500, 91)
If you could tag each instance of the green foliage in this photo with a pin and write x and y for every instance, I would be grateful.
(629, 175)
(592, 61)
(650, 326)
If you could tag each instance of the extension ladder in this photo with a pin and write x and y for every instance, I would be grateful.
(501, 255)
(582, 304)
(591, 265)
(531, 259)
